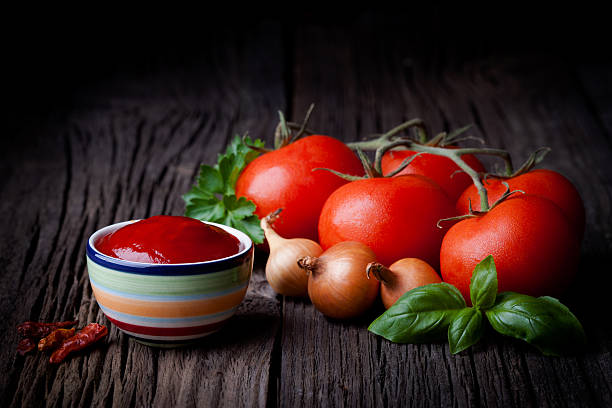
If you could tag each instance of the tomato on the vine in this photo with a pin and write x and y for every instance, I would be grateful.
(396, 217)
(284, 178)
(534, 246)
(440, 169)
(543, 183)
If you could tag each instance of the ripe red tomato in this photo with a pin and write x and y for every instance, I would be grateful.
(438, 168)
(285, 179)
(396, 217)
(534, 247)
(543, 183)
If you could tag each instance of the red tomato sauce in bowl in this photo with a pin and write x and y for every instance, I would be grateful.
(166, 239)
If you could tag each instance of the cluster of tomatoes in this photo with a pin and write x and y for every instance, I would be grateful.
(534, 235)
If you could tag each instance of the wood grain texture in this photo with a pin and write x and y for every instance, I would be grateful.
(125, 153)
(371, 83)
(130, 145)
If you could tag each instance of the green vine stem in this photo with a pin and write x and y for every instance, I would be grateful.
(533, 159)
(381, 143)
(375, 169)
(298, 126)
(471, 213)
(283, 134)
(441, 139)
(436, 146)
(452, 154)
(302, 128)
(444, 139)
(405, 163)
(374, 144)
(369, 169)
(455, 156)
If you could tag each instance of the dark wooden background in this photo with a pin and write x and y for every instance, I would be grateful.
(109, 121)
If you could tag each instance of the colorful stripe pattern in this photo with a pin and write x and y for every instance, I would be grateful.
(169, 304)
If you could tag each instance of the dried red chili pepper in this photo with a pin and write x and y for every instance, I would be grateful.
(26, 345)
(55, 339)
(38, 330)
(85, 337)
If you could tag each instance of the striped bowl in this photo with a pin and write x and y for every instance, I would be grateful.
(168, 305)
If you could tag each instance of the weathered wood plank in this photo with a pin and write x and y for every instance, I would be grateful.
(323, 361)
(541, 108)
(518, 104)
(132, 146)
(131, 151)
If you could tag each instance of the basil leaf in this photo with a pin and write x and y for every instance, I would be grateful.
(420, 315)
(543, 322)
(465, 330)
(483, 285)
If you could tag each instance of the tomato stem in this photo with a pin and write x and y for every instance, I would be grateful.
(283, 135)
(471, 213)
(346, 177)
(533, 159)
(436, 146)
(452, 154)
(506, 194)
(261, 150)
(371, 171)
(405, 163)
(457, 218)
(374, 144)
(297, 126)
(302, 128)
(440, 140)
(443, 139)
(389, 141)
(455, 156)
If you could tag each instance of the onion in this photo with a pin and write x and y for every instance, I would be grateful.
(282, 271)
(337, 285)
(404, 275)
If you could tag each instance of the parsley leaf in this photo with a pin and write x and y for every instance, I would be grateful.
(213, 197)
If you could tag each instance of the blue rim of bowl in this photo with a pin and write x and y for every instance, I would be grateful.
(195, 268)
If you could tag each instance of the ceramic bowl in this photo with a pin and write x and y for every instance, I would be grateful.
(169, 305)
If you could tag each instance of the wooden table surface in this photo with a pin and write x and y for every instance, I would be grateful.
(128, 145)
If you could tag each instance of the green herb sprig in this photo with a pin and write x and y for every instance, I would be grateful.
(213, 197)
(427, 313)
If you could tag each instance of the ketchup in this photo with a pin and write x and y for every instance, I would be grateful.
(165, 239)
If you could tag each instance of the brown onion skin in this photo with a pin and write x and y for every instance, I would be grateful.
(337, 284)
(282, 272)
(402, 276)
(289, 280)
